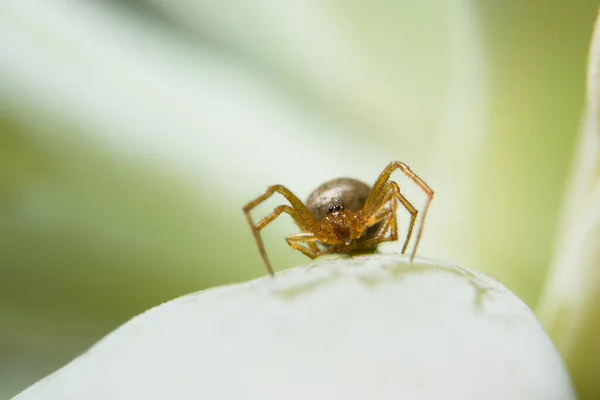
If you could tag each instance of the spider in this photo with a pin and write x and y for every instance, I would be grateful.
(344, 215)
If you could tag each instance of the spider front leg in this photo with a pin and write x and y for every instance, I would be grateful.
(413, 215)
(311, 251)
(379, 192)
(388, 216)
(297, 211)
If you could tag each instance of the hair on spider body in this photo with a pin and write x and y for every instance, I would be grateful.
(344, 215)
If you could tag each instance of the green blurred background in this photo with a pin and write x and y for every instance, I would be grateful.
(133, 132)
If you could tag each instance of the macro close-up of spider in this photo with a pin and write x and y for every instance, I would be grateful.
(195, 193)
(344, 215)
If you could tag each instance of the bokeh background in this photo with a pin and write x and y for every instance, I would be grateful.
(132, 132)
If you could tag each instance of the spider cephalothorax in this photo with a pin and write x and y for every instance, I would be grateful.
(344, 215)
(336, 204)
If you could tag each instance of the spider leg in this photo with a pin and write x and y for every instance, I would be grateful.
(311, 251)
(393, 195)
(411, 209)
(263, 223)
(297, 211)
(385, 213)
(313, 246)
(388, 215)
(380, 237)
(378, 194)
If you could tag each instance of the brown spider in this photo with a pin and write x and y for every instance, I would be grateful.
(344, 215)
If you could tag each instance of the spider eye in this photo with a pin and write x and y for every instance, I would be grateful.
(334, 208)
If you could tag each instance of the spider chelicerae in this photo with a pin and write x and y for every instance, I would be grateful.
(344, 215)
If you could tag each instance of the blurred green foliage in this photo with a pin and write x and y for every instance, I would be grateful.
(92, 235)
(538, 55)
